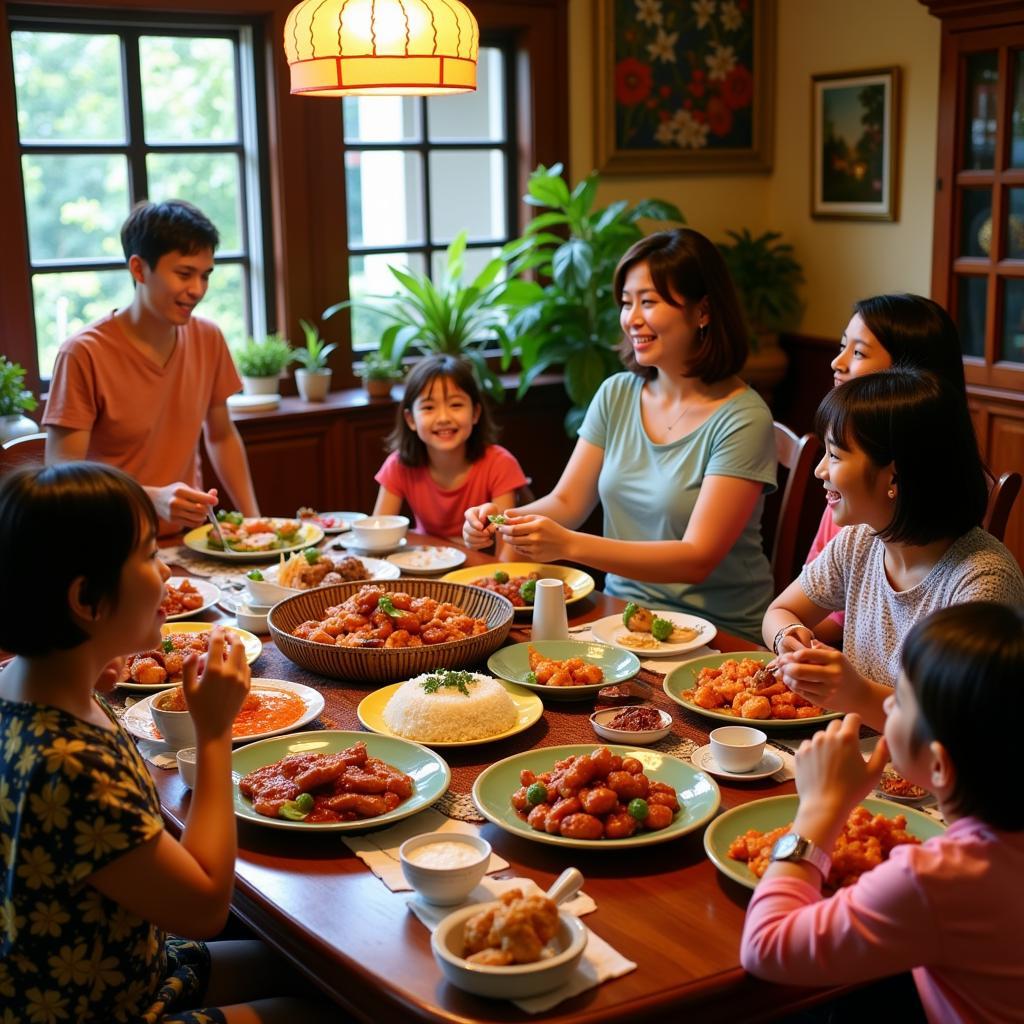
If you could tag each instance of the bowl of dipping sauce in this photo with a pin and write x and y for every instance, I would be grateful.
(187, 766)
(737, 748)
(637, 723)
(380, 533)
(444, 867)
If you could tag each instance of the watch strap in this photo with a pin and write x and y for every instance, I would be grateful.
(805, 850)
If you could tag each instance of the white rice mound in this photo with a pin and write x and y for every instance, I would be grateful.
(448, 715)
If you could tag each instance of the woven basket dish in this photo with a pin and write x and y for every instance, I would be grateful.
(396, 665)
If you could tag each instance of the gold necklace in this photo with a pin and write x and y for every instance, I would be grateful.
(672, 425)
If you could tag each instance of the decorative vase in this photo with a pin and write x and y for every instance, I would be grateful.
(313, 385)
(16, 425)
(260, 385)
(377, 387)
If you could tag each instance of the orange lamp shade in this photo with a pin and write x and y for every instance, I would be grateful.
(381, 47)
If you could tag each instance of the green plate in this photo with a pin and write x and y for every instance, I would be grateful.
(764, 815)
(698, 794)
(513, 663)
(685, 678)
(430, 773)
(529, 708)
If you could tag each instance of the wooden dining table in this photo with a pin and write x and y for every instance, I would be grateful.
(665, 906)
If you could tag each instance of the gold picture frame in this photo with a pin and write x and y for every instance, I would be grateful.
(684, 88)
(854, 139)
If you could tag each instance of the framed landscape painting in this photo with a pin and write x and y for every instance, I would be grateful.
(684, 87)
(853, 144)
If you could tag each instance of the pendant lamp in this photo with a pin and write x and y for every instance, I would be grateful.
(381, 47)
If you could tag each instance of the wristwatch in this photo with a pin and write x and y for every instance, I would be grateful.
(792, 847)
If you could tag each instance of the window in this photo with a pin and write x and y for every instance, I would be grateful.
(109, 114)
(417, 172)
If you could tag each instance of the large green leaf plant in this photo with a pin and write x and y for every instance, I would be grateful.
(450, 316)
(572, 319)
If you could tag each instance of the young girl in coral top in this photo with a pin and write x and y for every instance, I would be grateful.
(951, 909)
(443, 456)
(90, 881)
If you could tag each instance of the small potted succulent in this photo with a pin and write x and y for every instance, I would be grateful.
(379, 374)
(15, 401)
(261, 363)
(313, 379)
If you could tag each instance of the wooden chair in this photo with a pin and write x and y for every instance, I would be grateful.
(798, 455)
(23, 451)
(1000, 502)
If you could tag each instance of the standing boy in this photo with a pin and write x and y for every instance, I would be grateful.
(135, 388)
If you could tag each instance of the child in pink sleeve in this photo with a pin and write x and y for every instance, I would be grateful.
(443, 458)
(951, 910)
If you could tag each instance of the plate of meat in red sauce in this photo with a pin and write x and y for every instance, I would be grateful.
(335, 781)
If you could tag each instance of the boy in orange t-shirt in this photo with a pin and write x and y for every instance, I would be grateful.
(135, 388)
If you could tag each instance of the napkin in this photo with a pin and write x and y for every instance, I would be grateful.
(600, 962)
(379, 850)
(157, 753)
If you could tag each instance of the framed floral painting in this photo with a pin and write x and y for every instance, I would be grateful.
(684, 85)
(853, 147)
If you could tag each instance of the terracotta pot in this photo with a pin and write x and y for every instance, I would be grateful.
(378, 388)
(260, 385)
(313, 385)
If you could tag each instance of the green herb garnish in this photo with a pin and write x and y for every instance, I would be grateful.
(531, 678)
(311, 555)
(498, 520)
(387, 606)
(233, 517)
(167, 645)
(255, 574)
(449, 680)
(297, 809)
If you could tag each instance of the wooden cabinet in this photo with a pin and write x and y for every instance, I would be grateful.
(978, 256)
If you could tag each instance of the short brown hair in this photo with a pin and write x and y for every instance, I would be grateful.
(683, 263)
(411, 450)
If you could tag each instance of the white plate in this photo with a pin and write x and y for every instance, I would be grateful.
(425, 561)
(252, 643)
(207, 591)
(351, 543)
(347, 518)
(138, 719)
(253, 403)
(610, 629)
(378, 568)
(768, 765)
(309, 535)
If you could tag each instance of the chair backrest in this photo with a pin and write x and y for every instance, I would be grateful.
(798, 455)
(1000, 501)
(23, 451)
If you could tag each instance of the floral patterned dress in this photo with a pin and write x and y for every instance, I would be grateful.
(73, 798)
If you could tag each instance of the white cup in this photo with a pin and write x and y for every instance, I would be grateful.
(738, 748)
(549, 618)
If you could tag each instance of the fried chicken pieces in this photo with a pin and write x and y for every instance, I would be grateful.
(514, 932)
(570, 672)
(747, 690)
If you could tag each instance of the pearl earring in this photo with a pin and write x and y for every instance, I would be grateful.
(892, 492)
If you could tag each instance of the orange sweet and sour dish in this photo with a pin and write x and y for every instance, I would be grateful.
(866, 841)
(745, 689)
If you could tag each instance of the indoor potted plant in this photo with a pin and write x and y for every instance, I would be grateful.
(15, 401)
(378, 374)
(572, 318)
(313, 378)
(449, 315)
(766, 275)
(260, 363)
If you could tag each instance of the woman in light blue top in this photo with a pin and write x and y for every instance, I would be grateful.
(680, 451)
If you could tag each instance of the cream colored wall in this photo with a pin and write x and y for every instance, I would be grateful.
(843, 260)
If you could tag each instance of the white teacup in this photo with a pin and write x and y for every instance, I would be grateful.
(738, 748)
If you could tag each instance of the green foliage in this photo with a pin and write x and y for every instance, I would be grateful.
(376, 366)
(14, 399)
(450, 316)
(266, 358)
(573, 320)
(314, 356)
(766, 275)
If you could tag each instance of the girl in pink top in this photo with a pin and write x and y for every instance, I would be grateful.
(443, 457)
(951, 909)
(885, 331)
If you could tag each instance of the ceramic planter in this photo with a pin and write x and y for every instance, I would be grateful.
(378, 387)
(313, 385)
(260, 385)
(16, 425)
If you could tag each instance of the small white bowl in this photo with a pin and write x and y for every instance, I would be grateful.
(518, 980)
(445, 886)
(253, 617)
(380, 533)
(176, 727)
(738, 748)
(266, 594)
(187, 766)
(600, 719)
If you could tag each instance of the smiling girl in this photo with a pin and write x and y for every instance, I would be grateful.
(443, 456)
(679, 450)
(902, 474)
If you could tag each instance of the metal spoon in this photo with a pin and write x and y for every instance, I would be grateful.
(216, 526)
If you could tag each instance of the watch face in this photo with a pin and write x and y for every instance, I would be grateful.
(785, 846)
